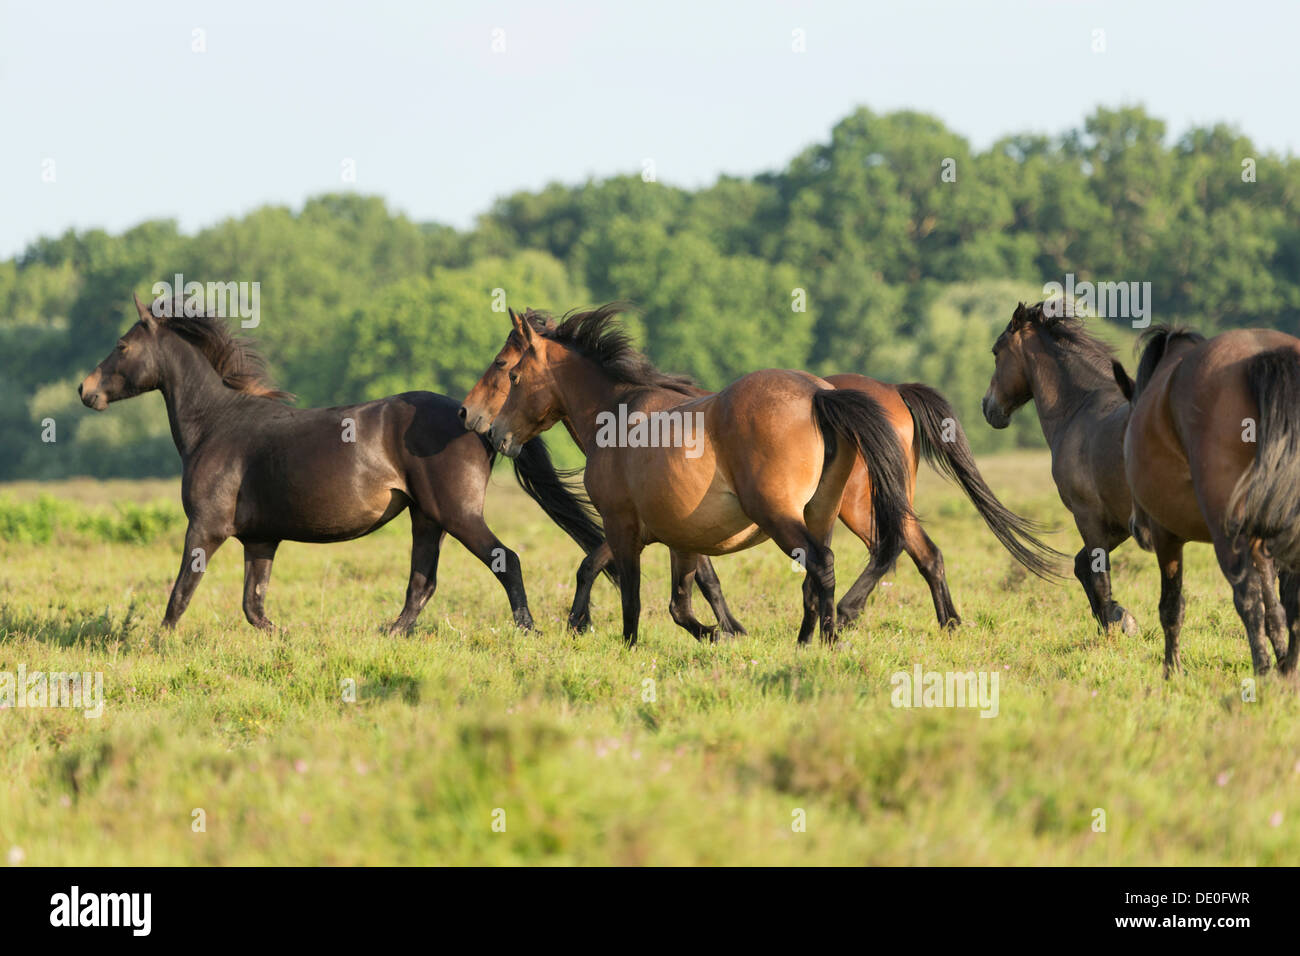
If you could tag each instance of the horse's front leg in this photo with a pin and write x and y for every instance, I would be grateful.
(590, 568)
(200, 544)
(626, 546)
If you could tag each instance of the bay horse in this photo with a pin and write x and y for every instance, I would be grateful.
(1212, 454)
(1045, 355)
(925, 424)
(255, 469)
(767, 457)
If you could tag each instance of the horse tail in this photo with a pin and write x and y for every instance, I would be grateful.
(1265, 504)
(560, 495)
(943, 444)
(858, 418)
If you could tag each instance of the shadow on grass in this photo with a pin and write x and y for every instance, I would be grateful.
(390, 686)
(97, 631)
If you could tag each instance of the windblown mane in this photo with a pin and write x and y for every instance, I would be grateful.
(1155, 343)
(232, 357)
(1065, 335)
(598, 335)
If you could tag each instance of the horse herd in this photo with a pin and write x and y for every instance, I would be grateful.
(1202, 446)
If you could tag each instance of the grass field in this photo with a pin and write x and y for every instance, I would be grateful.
(468, 722)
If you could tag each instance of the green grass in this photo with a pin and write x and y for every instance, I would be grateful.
(467, 715)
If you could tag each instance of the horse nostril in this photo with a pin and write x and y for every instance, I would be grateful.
(462, 413)
(79, 389)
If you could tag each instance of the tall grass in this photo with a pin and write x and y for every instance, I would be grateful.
(329, 742)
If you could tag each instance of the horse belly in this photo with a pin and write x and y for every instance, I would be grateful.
(690, 515)
(319, 508)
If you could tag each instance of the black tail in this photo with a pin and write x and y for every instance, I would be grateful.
(560, 496)
(858, 418)
(942, 442)
(1266, 502)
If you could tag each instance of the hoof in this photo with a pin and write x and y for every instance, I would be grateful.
(1123, 620)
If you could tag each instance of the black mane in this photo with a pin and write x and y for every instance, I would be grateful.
(597, 335)
(233, 357)
(1155, 343)
(1065, 334)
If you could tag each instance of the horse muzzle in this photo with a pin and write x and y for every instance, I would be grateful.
(92, 398)
(503, 442)
(474, 421)
(993, 413)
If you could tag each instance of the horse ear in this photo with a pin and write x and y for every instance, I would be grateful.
(1021, 315)
(146, 315)
(525, 328)
(1122, 380)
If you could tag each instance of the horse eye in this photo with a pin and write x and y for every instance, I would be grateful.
(500, 363)
(514, 378)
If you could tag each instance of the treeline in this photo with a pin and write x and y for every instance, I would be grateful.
(893, 250)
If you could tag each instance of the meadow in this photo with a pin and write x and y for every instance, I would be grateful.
(469, 742)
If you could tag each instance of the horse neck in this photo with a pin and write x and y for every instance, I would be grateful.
(1061, 387)
(584, 392)
(194, 394)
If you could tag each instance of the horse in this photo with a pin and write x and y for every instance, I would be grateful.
(1212, 453)
(258, 470)
(925, 424)
(767, 457)
(1045, 355)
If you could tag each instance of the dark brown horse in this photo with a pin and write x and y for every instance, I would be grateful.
(1051, 360)
(767, 457)
(925, 424)
(1212, 454)
(260, 471)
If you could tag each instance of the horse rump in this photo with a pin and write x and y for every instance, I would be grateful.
(1265, 504)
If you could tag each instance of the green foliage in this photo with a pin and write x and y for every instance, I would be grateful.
(860, 255)
(48, 519)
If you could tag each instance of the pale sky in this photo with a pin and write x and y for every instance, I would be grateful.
(140, 126)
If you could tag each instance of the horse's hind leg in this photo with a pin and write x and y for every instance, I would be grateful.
(426, 546)
(1289, 582)
(799, 543)
(258, 557)
(1169, 556)
(706, 578)
(927, 557)
(1247, 595)
(679, 606)
(1275, 624)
